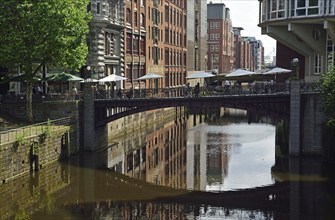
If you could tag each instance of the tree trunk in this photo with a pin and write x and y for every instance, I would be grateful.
(29, 90)
(29, 102)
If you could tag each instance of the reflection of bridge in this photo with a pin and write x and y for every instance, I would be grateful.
(111, 186)
(295, 101)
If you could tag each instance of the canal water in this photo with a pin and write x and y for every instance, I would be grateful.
(221, 165)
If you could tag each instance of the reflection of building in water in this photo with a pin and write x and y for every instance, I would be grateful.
(217, 158)
(207, 158)
(154, 153)
(142, 210)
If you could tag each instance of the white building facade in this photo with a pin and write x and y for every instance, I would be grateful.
(305, 26)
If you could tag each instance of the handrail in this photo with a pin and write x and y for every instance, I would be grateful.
(35, 129)
(209, 91)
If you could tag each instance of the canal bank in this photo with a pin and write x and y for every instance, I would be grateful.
(152, 171)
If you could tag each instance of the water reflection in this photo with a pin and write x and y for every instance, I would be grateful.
(149, 175)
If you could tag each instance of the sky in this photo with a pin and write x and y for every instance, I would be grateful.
(244, 13)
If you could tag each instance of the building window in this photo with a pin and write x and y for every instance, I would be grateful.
(306, 7)
(128, 16)
(135, 18)
(166, 57)
(135, 43)
(142, 46)
(155, 54)
(98, 8)
(166, 13)
(128, 42)
(217, 25)
(211, 25)
(330, 53)
(142, 20)
(317, 63)
(166, 35)
(277, 9)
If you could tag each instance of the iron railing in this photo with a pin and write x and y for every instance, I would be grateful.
(250, 89)
(33, 130)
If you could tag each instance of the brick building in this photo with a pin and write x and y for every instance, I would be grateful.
(220, 38)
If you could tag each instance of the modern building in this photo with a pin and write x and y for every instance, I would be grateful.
(220, 38)
(105, 40)
(303, 30)
(257, 53)
(196, 35)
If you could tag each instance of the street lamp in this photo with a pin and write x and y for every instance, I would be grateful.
(295, 68)
(101, 72)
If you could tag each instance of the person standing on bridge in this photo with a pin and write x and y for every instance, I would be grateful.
(196, 90)
(188, 90)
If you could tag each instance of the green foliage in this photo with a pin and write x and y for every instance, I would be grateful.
(45, 31)
(46, 131)
(19, 140)
(328, 94)
(50, 31)
(22, 215)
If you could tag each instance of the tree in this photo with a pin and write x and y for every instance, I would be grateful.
(328, 94)
(37, 32)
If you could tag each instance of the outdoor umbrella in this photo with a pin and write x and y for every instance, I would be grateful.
(240, 72)
(277, 70)
(21, 78)
(198, 75)
(112, 78)
(149, 76)
(63, 77)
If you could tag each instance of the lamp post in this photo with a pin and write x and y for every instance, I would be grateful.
(101, 72)
(295, 68)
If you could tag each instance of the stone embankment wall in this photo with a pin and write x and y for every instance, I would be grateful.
(23, 152)
(30, 192)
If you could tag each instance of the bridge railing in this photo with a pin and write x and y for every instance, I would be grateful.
(310, 87)
(192, 92)
(237, 89)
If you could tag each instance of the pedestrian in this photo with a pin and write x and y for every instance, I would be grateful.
(188, 90)
(197, 90)
(74, 90)
(38, 89)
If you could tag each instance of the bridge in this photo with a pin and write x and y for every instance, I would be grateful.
(296, 102)
(272, 100)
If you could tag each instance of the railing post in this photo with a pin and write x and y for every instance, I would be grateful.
(88, 119)
(294, 133)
